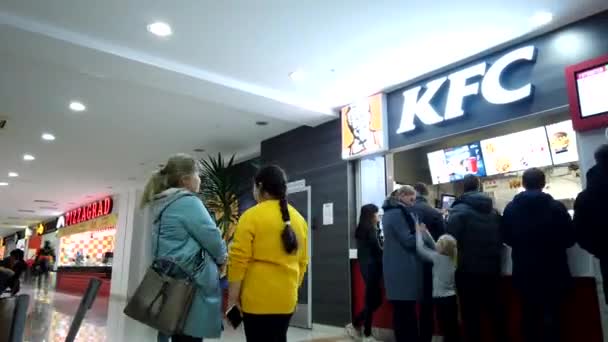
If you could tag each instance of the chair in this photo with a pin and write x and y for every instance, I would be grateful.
(85, 305)
(13, 314)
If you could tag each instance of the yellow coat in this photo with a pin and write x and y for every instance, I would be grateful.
(270, 277)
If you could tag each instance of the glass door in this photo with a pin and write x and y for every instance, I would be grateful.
(302, 318)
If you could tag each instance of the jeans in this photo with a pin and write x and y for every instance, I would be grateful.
(447, 317)
(373, 298)
(540, 318)
(405, 323)
(480, 296)
(266, 328)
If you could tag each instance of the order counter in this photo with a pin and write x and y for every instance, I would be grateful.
(580, 313)
(75, 279)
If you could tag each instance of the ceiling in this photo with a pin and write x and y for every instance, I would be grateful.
(225, 68)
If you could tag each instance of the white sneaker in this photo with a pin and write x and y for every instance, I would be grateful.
(353, 332)
(369, 339)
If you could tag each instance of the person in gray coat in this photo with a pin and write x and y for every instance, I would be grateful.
(402, 265)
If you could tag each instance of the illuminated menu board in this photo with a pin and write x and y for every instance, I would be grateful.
(562, 140)
(452, 164)
(592, 86)
(517, 151)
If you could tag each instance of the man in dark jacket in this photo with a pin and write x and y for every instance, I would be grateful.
(589, 213)
(433, 219)
(539, 230)
(475, 224)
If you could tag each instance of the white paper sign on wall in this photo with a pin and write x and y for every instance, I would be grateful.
(328, 214)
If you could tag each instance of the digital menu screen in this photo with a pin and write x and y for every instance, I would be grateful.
(592, 86)
(517, 151)
(454, 163)
(562, 141)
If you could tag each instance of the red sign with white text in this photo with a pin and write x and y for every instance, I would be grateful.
(88, 212)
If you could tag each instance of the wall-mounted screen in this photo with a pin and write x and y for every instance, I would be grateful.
(562, 140)
(452, 164)
(517, 151)
(592, 85)
(587, 83)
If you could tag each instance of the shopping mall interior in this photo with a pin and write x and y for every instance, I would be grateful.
(352, 99)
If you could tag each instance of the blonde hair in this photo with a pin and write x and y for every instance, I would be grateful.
(446, 245)
(406, 190)
(170, 176)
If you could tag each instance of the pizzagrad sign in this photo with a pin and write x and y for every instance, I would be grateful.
(85, 213)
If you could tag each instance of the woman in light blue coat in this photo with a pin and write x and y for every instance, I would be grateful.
(185, 233)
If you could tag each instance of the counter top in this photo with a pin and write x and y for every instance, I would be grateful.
(85, 269)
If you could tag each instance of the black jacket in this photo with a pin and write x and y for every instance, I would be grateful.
(369, 250)
(430, 216)
(539, 229)
(475, 224)
(590, 208)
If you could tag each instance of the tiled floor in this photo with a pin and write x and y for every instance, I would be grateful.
(50, 316)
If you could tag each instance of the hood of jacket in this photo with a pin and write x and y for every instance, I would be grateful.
(392, 203)
(597, 177)
(476, 200)
(165, 198)
(532, 201)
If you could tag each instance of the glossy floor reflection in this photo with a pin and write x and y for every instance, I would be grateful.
(50, 316)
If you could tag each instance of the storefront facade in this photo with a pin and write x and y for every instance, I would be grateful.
(83, 239)
(511, 93)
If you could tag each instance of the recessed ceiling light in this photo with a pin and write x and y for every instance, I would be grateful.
(541, 19)
(199, 150)
(13, 174)
(261, 123)
(77, 106)
(297, 75)
(28, 157)
(48, 137)
(3, 184)
(160, 29)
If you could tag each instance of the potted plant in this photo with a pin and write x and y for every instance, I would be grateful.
(218, 191)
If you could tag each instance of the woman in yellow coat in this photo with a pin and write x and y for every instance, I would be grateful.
(268, 259)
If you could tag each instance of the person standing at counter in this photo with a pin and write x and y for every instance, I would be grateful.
(185, 233)
(402, 265)
(589, 213)
(539, 230)
(433, 219)
(369, 253)
(475, 225)
(268, 260)
(43, 265)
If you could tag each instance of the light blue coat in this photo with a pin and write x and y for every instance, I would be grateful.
(188, 235)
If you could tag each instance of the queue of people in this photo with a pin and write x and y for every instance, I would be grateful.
(459, 261)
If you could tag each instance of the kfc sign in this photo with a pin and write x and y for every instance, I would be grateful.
(417, 102)
(85, 213)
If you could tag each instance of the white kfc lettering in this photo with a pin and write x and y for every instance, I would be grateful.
(460, 87)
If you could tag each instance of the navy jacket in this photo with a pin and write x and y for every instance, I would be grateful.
(475, 224)
(590, 214)
(539, 230)
(431, 217)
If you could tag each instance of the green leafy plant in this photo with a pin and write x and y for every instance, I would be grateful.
(218, 191)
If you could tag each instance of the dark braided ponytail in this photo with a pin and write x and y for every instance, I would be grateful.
(272, 181)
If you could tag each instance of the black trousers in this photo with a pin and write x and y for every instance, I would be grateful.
(405, 322)
(480, 296)
(373, 298)
(427, 316)
(447, 318)
(540, 317)
(183, 338)
(266, 328)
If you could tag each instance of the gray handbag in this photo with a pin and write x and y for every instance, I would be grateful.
(163, 299)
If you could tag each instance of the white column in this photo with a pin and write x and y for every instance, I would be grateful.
(588, 142)
(131, 259)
